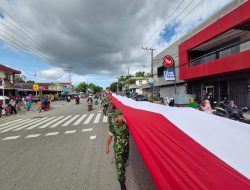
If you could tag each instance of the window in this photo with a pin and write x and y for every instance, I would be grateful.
(8, 76)
(160, 71)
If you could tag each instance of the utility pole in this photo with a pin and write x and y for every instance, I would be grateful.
(128, 71)
(152, 56)
(69, 70)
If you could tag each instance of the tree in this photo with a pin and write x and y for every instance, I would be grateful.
(30, 81)
(95, 88)
(140, 74)
(113, 87)
(20, 78)
(124, 78)
(81, 87)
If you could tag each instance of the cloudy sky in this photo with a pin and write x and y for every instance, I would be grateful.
(99, 39)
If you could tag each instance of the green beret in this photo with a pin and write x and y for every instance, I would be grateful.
(109, 99)
(117, 112)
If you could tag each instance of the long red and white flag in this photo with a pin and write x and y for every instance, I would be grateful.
(184, 148)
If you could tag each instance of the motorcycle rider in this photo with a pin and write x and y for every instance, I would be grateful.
(77, 99)
(68, 99)
(89, 102)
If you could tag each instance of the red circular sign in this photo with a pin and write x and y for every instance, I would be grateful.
(168, 61)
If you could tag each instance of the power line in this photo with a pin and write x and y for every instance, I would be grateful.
(23, 29)
(174, 19)
(26, 47)
(185, 8)
(21, 48)
(185, 16)
(160, 26)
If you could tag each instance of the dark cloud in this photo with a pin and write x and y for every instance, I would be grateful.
(92, 36)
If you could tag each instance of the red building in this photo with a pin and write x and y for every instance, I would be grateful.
(7, 79)
(211, 60)
(216, 60)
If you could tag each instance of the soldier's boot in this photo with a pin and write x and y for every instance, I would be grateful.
(123, 186)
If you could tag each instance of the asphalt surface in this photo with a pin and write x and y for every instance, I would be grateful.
(63, 150)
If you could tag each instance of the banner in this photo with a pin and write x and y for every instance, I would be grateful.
(184, 148)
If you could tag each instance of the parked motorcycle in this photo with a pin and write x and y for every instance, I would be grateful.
(222, 110)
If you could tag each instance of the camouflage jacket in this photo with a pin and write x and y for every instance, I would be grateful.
(121, 136)
(111, 109)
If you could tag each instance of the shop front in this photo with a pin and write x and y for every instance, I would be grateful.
(233, 86)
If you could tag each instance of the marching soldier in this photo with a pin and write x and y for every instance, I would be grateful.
(104, 105)
(120, 132)
(110, 111)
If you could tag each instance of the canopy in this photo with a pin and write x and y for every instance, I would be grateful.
(4, 98)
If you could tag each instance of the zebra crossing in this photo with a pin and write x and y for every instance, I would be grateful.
(52, 122)
(50, 134)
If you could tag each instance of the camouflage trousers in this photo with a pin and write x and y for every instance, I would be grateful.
(110, 119)
(104, 111)
(120, 161)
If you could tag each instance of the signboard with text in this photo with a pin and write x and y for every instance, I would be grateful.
(169, 74)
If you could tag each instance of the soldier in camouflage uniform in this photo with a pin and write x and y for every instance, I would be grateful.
(104, 105)
(120, 132)
(110, 111)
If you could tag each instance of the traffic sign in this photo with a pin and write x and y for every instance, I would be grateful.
(35, 87)
(168, 61)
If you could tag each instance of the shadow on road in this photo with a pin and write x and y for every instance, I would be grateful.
(138, 176)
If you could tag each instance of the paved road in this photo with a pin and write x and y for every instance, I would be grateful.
(63, 149)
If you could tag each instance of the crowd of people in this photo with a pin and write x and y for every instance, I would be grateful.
(15, 104)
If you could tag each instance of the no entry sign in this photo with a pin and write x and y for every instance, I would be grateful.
(168, 61)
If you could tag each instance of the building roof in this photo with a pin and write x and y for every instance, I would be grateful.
(24, 85)
(10, 70)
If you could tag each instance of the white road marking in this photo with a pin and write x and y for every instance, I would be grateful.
(69, 121)
(105, 119)
(32, 127)
(20, 124)
(51, 134)
(32, 136)
(89, 119)
(10, 122)
(80, 119)
(11, 125)
(89, 129)
(97, 118)
(49, 123)
(10, 138)
(61, 121)
(99, 111)
(69, 132)
(92, 137)
(34, 122)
